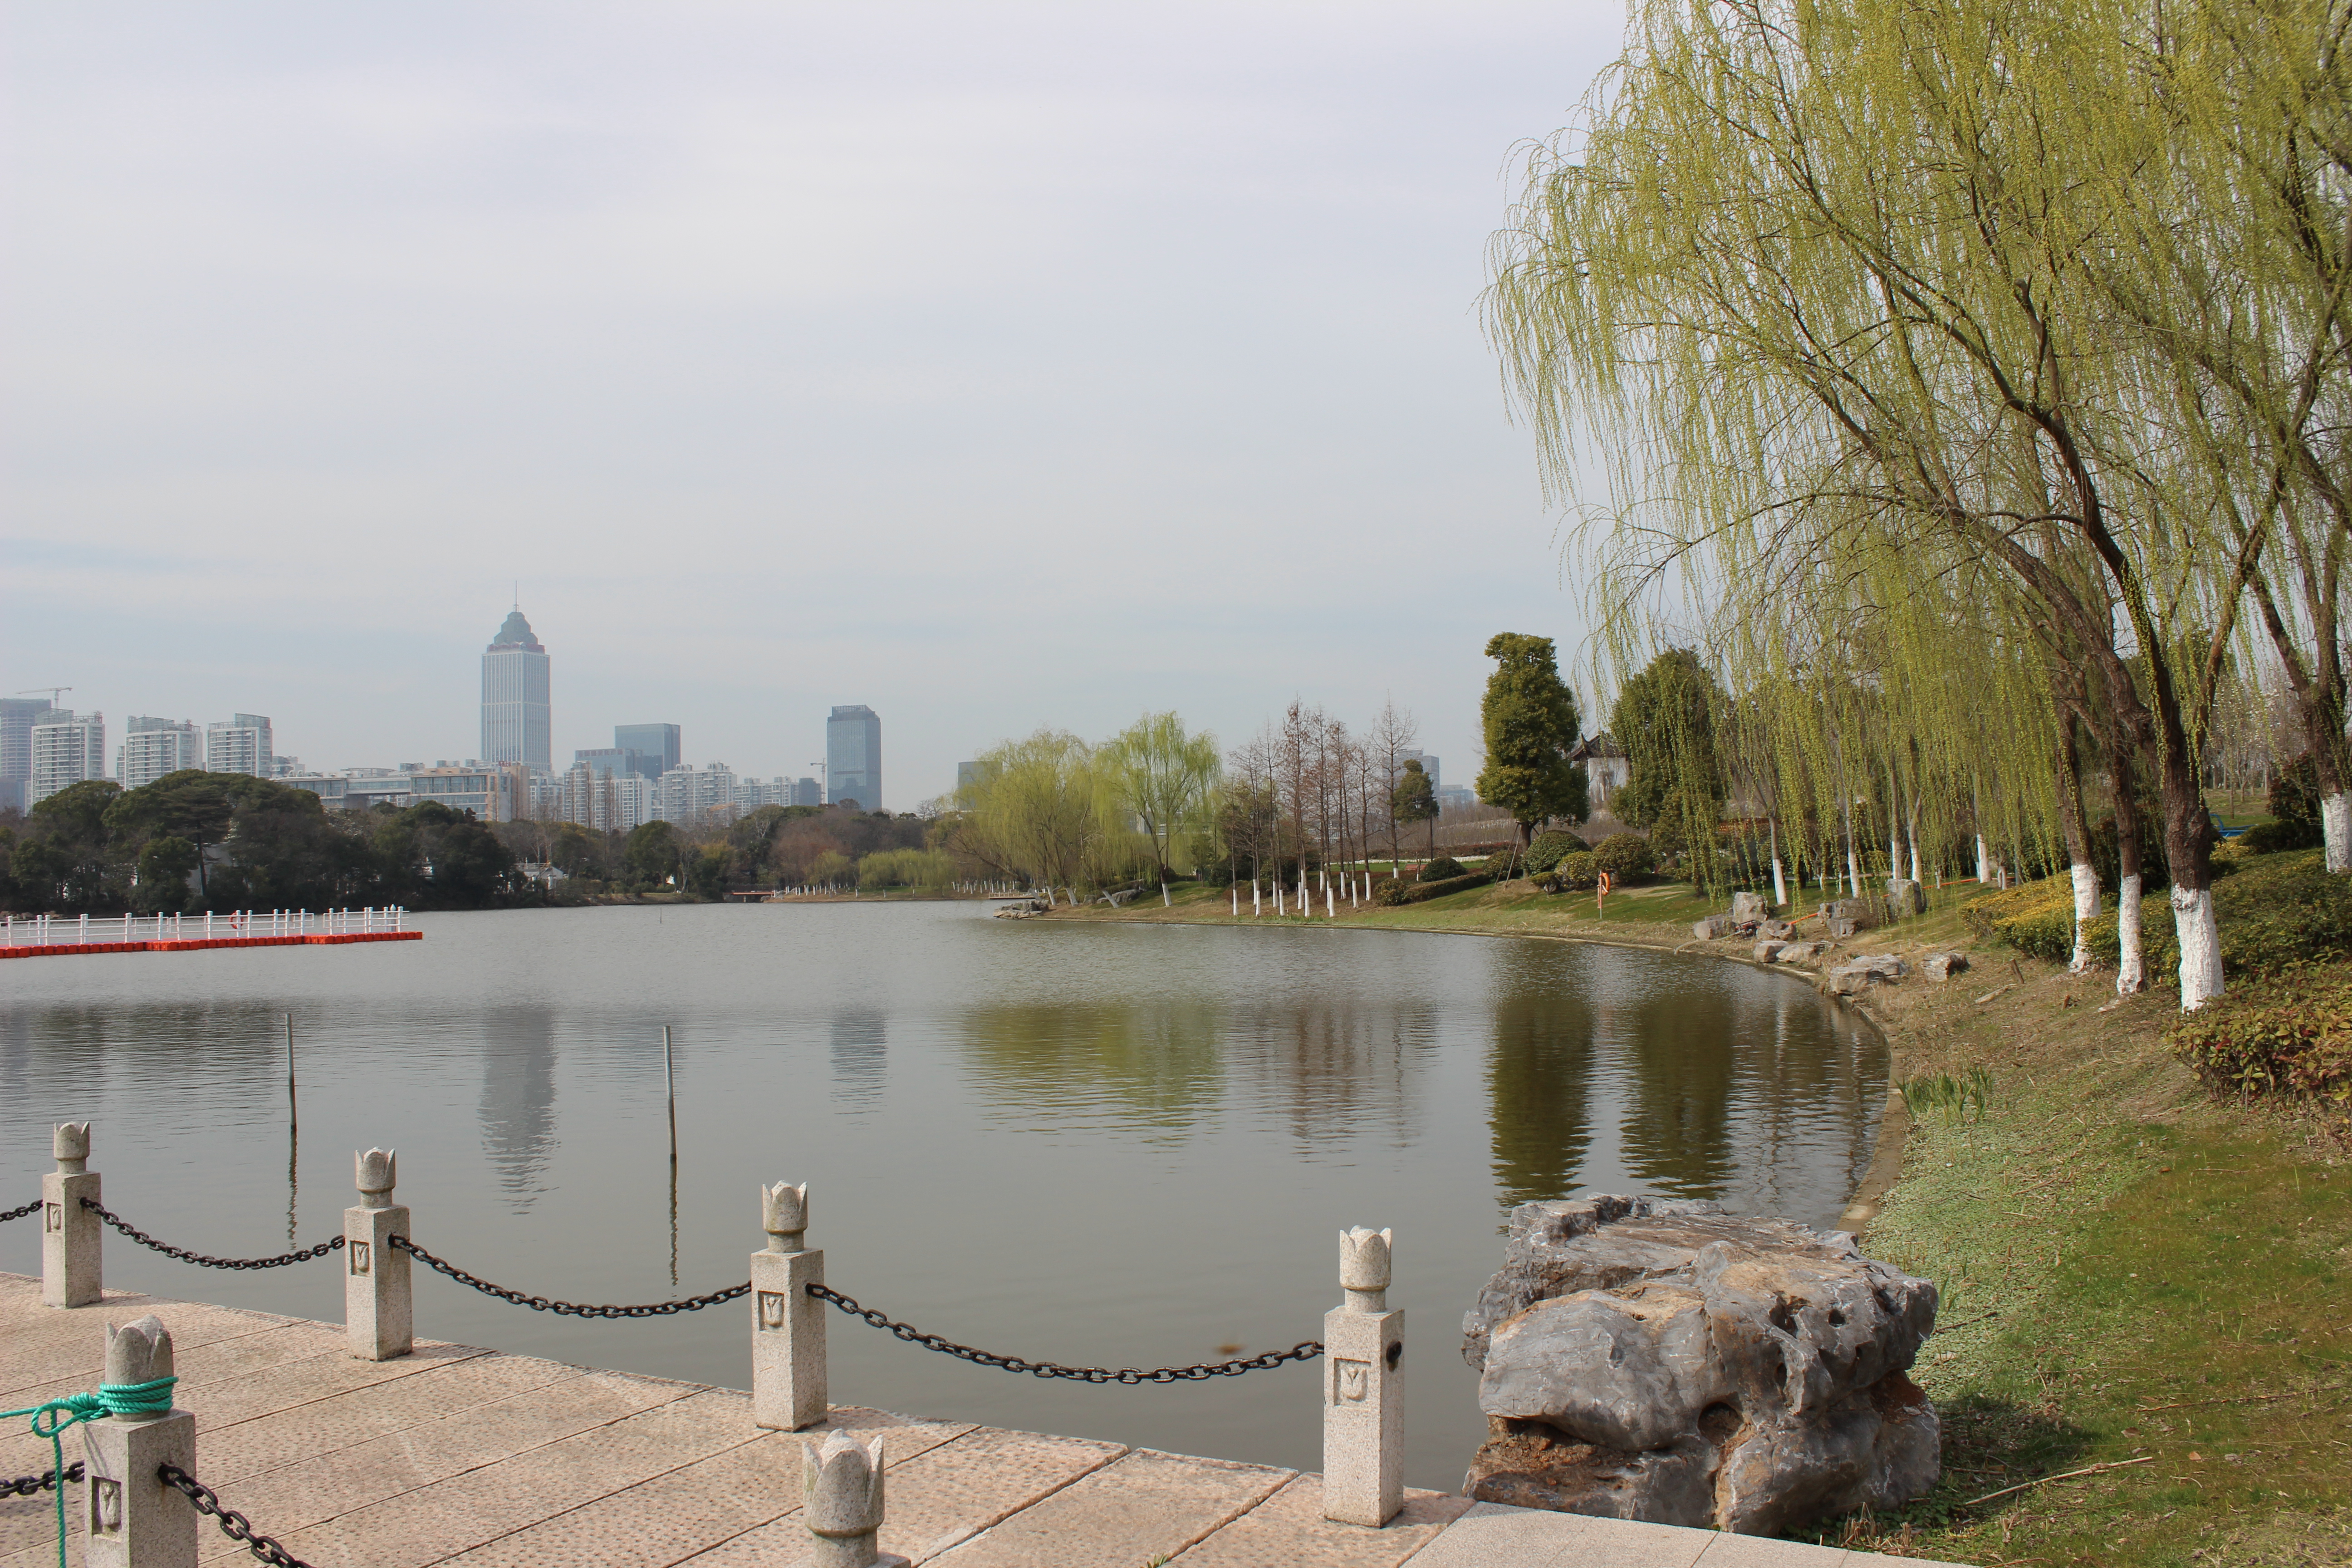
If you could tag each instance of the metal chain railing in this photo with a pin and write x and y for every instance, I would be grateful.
(569, 1309)
(19, 1214)
(185, 1256)
(34, 1486)
(233, 1524)
(1305, 1350)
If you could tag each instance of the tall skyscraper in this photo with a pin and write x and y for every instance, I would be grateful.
(153, 747)
(852, 757)
(656, 744)
(243, 746)
(66, 749)
(18, 717)
(515, 724)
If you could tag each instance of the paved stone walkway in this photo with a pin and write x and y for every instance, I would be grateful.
(464, 1455)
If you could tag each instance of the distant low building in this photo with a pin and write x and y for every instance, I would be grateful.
(1456, 797)
(487, 790)
(1605, 767)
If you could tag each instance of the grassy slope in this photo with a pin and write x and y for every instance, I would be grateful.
(2130, 1270)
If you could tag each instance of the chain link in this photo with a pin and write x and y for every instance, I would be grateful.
(20, 1214)
(568, 1309)
(233, 1524)
(1305, 1350)
(34, 1486)
(185, 1256)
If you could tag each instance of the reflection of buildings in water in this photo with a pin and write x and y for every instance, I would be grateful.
(860, 1058)
(518, 1109)
(1539, 1089)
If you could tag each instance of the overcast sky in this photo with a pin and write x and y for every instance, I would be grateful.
(992, 366)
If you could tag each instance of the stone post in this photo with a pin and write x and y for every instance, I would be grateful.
(132, 1517)
(788, 1391)
(841, 1501)
(1364, 1389)
(72, 1271)
(379, 1319)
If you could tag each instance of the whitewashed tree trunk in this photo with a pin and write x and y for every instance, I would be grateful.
(1983, 870)
(1914, 831)
(1780, 883)
(2131, 970)
(2201, 946)
(2087, 910)
(2335, 827)
(1852, 871)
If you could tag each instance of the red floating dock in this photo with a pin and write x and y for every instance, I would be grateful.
(64, 949)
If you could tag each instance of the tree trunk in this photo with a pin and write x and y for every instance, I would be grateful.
(2077, 835)
(1780, 883)
(2131, 968)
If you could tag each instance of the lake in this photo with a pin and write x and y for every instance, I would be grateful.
(1123, 1145)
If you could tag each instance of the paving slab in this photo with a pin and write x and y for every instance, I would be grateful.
(1289, 1528)
(1144, 1506)
(685, 1511)
(50, 1345)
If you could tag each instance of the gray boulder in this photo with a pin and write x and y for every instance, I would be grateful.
(1799, 951)
(1905, 897)
(1766, 951)
(1710, 928)
(1657, 1359)
(1746, 908)
(1942, 966)
(1864, 969)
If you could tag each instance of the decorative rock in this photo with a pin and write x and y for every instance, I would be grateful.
(1905, 897)
(1839, 926)
(1799, 951)
(1859, 973)
(1781, 930)
(1942, 966)
(1710, 928)
(1766, 951)
(1660, 1360)
(1749, 908)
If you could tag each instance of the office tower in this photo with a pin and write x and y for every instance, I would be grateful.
(620, 760)
(853, 758)
(153, 747)
(18, 717)
(66, 749)
(1428, 765)
(657, 744)
(243, 746)
(516, 727)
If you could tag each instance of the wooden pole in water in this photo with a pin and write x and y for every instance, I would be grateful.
(293, 1116)
(293, 1133)
(669, 1086)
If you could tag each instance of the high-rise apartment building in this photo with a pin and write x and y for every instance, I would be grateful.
(243, 746)
(66, 749)
(608, 801)
(657, 746)
(806, 792)
(516, 727)
(693, 794)
(853, 758)
(18, 717)
(153, 747)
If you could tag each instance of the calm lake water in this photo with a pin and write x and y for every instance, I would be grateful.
(1126, 1145)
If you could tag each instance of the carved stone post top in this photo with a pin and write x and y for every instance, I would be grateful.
(1364, 1258)
(379, 1173)
(70, 1143)
(784, 1213)
(841, 1484)
(138, 1352)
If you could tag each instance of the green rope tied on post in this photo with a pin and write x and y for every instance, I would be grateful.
(51, 1418)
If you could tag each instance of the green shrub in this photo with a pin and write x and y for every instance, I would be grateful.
(1391, 891)
(2035, 917)
(1578, 869)
(1394, 893)
(1440, 868)
(1955, 1097)
(1550, 848)
(2286, 1034)
(1625, 856)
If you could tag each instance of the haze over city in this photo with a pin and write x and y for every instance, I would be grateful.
(1037, 366)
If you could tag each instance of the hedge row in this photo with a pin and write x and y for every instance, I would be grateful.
(2288, 1033)
(1391, 892)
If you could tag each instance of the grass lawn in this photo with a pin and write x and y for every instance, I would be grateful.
(2134, 1275)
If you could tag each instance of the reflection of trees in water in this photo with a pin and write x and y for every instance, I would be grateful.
(1805, 1086)
(861, 1058)
(518, 1111)
(1339, 1067)
(1156, 1064)
(1539, 1089)
(1677, 1136)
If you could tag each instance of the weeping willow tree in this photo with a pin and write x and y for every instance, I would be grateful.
(1048, 810)
(1839, 292)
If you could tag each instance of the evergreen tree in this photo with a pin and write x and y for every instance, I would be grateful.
(1531, 723)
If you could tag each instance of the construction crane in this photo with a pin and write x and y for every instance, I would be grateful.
(55, 692)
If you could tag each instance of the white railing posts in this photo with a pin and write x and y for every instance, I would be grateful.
(378, 1319)
(1364, 1389)
(841, 1501)
(132, 1517)
(73, 1272)
(788, 1383)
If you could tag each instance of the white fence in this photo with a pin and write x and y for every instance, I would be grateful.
(82, 931)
